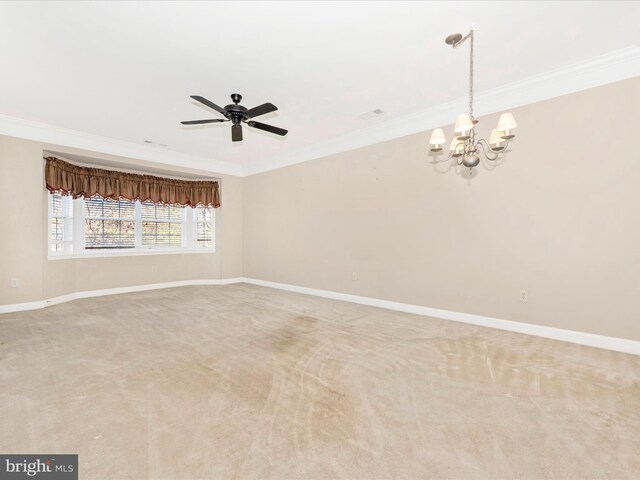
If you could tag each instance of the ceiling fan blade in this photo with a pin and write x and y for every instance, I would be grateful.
(198, 122)
(236, 133)
(260, 110)
(268, 128)
(209, 104)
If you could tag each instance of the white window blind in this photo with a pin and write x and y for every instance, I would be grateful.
(105, 226)
(162, 225)
(109, 223)
(203, 220)
(60, 224)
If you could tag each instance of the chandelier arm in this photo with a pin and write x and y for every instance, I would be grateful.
(455, 149)
(437, 159)
(486, 150)
(503, 149)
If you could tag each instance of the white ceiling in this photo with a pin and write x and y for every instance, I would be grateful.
(125, 70)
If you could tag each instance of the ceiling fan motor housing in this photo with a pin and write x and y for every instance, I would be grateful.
(236, 112)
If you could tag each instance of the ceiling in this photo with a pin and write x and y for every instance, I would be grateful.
(125, 70)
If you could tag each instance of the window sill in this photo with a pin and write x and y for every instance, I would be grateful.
(128, 253)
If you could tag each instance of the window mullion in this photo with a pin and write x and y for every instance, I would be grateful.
(67, 227)
(78, 225)
(138, 226)
(212, 228)
(187, 227)
(50, 216)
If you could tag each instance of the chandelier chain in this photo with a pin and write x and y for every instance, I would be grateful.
(471, 77)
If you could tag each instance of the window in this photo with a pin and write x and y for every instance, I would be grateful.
(109, 223)
(123, 226)
(60, 226)
(203, 222)
(162, 225)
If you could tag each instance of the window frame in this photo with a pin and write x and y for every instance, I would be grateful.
(102, 218)
(193, 235)
(77, 224)
(68, 239)
(140, 220)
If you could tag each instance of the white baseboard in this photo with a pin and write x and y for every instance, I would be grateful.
(19, 307)
(572, 336)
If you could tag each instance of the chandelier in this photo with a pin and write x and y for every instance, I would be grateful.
(465, 148)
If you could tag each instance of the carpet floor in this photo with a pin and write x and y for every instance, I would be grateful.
(245, 382)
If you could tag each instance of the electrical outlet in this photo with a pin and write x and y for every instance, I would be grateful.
(154, 269)
(354, 276)
(524, 296)
(15, 283)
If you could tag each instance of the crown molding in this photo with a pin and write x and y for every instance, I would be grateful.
(596, 71)
(611, 67)
(45, 133)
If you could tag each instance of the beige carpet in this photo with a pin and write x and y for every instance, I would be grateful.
(244, 382)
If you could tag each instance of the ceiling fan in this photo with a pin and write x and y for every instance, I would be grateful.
(237, 114)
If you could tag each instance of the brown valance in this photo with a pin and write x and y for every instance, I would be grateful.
(69, 179)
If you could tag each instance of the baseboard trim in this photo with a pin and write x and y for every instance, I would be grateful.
(20, 307)
(572, 336)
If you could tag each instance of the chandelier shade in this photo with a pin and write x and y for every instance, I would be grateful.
(457, 146)
(437, 137)
(507, 122)
(496, 137)
(463, 123)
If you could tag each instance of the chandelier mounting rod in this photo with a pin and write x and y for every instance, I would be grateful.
(455, 40)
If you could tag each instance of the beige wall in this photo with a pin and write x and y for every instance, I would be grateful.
(23, 242)
(558, 218)
(23, 230)
(558, 221)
